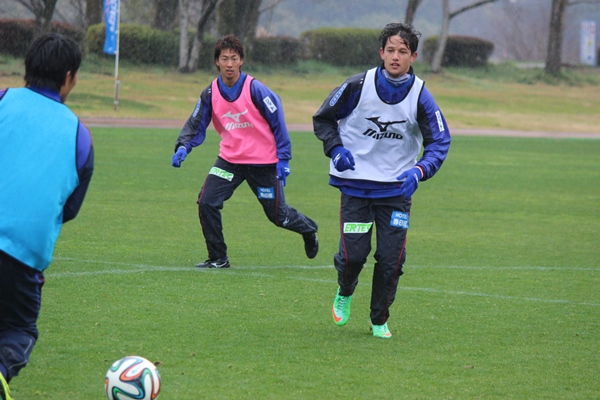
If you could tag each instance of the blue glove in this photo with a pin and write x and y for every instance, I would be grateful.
(411, 180)
(283, 170)
(342, 158)
(178, 157)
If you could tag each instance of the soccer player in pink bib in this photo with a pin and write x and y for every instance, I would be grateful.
(255, 147)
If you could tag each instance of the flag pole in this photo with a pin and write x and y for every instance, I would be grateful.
(116, 102)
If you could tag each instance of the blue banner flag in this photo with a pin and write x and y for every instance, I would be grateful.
(111, 18)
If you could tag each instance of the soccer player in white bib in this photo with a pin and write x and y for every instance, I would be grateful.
(255, 147)
(373, 128)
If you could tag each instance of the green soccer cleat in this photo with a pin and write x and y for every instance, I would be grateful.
(381, 331)
(4, 389)
(341, 309)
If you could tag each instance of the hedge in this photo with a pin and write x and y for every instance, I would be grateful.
(17, 34)
(462, 51)
(278, 50)
(343, 46)
(356, 47)
(142, 44)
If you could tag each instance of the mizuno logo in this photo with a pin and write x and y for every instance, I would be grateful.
(383, 126)
(383, 129)
(235, 117)
(236, 124)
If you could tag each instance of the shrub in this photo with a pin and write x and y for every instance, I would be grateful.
(276, 50)
(461, 51)
(137, 43)
(17, 34)
(342, 46)
(141, 44)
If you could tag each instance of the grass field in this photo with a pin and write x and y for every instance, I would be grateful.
(498, 97)
(500, 298)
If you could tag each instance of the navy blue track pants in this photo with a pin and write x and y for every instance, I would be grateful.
(223, 179)
(20, 300)
(358, 217)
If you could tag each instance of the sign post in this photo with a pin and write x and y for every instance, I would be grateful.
(588, 53)
(112, 14)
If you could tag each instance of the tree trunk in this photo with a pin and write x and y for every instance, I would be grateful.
(240, 18)
(208, 8)
(555, 37)
(164, 15)
(184, 44)
(93, 12)
(411, 10)
(43, 10)
(436, 63)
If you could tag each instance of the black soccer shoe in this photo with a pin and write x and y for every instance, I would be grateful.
(311, 244)
(218, 263)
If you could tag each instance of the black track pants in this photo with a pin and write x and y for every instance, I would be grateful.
(391, 217)
(20, 301)
(223, 180)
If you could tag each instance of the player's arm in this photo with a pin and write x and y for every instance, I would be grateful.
(270, 107)
(436, 135)
(85, 169)
(339, 104)
(193, 132)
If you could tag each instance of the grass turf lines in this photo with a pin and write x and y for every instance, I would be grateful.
(499, 300)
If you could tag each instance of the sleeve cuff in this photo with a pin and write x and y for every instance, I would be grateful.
(422, 171)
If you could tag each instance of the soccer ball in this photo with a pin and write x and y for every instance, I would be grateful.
(132, 377)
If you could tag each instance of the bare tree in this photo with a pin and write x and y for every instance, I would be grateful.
(164, 14)
(411, 10)
(436, 64)
(188, 59)
(520, 32)
(555, 35)
(93, 12)
(240, 18)
(43, 10)
(269, 10)
(184, 39)
(575, 2)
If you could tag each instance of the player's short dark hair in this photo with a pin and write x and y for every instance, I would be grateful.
(49, 59)
(406, 31)
(229, 42)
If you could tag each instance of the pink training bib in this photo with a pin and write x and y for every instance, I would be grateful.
(246, 137)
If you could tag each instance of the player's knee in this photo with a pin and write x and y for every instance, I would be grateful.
(277, 218)
(15, 351)
(351, 259)
(206, 203)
